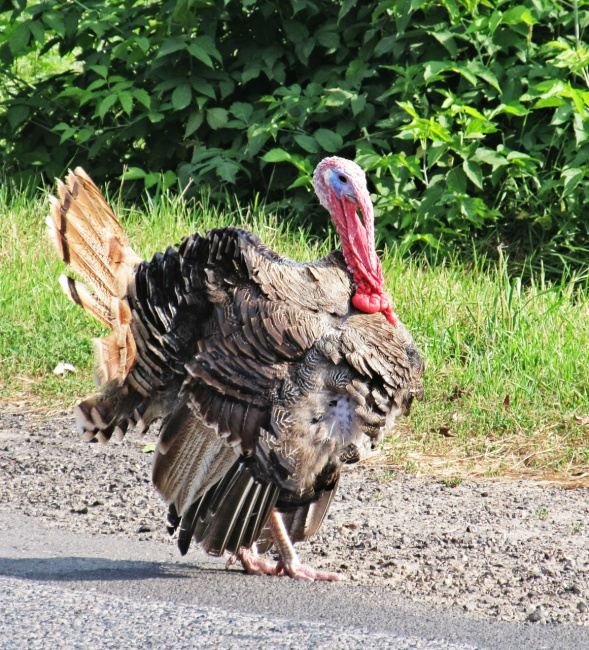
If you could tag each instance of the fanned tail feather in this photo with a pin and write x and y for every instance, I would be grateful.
(90, 240)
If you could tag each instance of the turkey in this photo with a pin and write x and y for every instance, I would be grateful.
(267, 374)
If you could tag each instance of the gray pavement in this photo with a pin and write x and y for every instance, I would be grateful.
(63, 590)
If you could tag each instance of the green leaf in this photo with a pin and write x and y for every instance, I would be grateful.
(182, 96)
(382, 7)
(217, 117)
(227, 170)
(432, 70)
(358, 103)
(347, 5)
(517, 15)
(126, 100)
(204, 88)
(105, 105)
(473, 171)
(513, 108)
(54, 20)
(142, 96)
(62, 126)
(473, 111)
(357, 70)
(67, 134)
(447, 40)
(19, 39)
(329, 140)
(134, 173)
(151, 179)
(277, 155)
(142, 42)
(17, 114)
(562, 114)
(38, 31)
(169, 178)
(200, 53)
(194, 121)
(579, 102)
(242, 111)
(329, 39)
(170, 46)
(72, 91)
(307, 143)
(464, 70)
(100, 70)
(495, 21)
(456, 180)
(84, 135)
(301, 181)
(490, 157)
(408, 106)
(485, 74)
(385, 45)
(549, 102)
(149, 447)
(95, 85)
(571, 178)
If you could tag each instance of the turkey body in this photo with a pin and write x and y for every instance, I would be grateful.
(264, 375)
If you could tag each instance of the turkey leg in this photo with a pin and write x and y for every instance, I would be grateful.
(288, 563)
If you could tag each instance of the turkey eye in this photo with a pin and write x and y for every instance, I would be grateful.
(342, 179)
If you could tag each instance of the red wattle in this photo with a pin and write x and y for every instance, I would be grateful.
(365, 302)
(371, 303)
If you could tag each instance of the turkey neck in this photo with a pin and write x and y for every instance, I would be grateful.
(357, 240)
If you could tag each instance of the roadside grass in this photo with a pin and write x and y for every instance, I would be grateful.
(507, 394)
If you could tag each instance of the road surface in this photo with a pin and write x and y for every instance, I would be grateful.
(60, 589)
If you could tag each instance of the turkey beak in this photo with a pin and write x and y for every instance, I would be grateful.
(351, 196)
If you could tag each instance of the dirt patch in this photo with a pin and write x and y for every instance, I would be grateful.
(490, 549)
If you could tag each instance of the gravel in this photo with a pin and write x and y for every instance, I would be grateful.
(511, 551)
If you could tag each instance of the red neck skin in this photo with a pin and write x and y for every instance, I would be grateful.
(358, 248)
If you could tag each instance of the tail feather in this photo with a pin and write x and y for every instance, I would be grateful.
(113, 358)
(89, 238)
(91, 241)
(80, 294)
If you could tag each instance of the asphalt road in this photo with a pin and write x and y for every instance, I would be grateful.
(60, 589)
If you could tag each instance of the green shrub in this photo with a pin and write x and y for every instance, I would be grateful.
(470, 117)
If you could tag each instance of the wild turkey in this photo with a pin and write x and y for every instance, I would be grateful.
(268, 374)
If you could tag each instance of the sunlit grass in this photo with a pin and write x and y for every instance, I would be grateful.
(506, 381)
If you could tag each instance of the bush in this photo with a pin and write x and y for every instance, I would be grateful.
(471, 117)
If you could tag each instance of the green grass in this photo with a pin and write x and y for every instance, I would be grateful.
(506, 382)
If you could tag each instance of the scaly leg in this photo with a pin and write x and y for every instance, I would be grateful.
(288, 564)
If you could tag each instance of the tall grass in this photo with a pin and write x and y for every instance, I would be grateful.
(506, 381)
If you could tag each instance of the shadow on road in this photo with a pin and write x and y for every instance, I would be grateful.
(87, 569)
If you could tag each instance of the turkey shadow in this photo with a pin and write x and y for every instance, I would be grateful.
(87, 569)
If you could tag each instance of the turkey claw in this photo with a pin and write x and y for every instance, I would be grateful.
(256, 565)
(253, 563)
(306, 572)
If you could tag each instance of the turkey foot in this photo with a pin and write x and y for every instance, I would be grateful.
(253, 563)
(287, 565)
